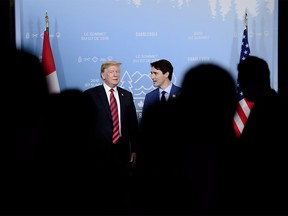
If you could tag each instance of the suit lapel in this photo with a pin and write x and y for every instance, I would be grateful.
(173, 93)
(121, 95)
(103, 98)
(155, 96)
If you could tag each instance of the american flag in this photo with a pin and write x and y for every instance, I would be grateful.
(243, 106)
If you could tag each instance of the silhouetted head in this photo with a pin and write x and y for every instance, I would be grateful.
(25, 92)
(254, 77)
(24, 82)
(211, 88)
(25, 76)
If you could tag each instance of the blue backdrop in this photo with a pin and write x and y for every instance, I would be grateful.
(84, 33)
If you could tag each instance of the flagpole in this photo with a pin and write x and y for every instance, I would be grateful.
(245, 20)
(47, 22)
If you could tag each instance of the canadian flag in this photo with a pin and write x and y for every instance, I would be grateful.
(49, 65)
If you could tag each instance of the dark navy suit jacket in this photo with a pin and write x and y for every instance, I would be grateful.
(103, 120)
(152, 98)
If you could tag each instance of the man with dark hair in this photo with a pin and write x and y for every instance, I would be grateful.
(161, 75)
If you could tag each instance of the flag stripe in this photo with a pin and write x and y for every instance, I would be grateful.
(49, 65)
(52, 81)
(47, 56)
(243, 107)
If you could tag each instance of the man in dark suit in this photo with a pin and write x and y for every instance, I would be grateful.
(165, 90)
(161, 75)
(118, 155)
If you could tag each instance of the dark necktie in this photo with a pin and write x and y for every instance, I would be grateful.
(115, 119)
(163, 99)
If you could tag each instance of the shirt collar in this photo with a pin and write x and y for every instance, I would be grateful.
(167, 89)
(107, 88)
